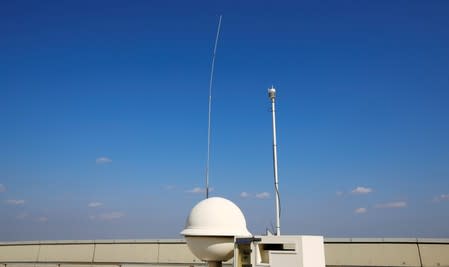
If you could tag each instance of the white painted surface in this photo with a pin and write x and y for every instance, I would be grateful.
(215, 216)
(211, 227)
(312, 251)
(288, 251)
(211, 248)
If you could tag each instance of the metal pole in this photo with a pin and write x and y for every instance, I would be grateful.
(272, 96)
(214, 264)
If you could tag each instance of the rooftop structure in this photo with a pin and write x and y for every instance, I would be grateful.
(408, 252)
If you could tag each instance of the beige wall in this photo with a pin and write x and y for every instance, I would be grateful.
(339, 252)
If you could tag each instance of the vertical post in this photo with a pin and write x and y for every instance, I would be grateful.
(214, 264)
(272, 96)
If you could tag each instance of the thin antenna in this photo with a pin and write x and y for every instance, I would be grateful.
(210, 106)
(272, 96)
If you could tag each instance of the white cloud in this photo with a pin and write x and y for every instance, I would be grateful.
(442, 197)
(244, 195)
(94, 204)
(108, 216)
(360, 210)
(392, 205)
(15, 201)
(362, 190)
(196, 190)
(263, 195)
(339, 193)
(42, 219)
(103, 160)
(199, 190)
(111, 215)
(169, 187)
(2, 188)
(22, 215)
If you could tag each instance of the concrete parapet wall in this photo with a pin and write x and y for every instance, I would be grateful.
(65, 253)
(376, 252)
(434, 254)
(18, 253)
(372, 255)
(138, 253)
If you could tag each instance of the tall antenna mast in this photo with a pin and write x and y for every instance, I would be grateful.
(210, 106)
(272, 96)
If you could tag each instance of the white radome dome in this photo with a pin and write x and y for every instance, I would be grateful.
(211, 227)
(216, 216)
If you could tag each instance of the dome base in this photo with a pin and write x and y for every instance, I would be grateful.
(211, 248)
(214, 264)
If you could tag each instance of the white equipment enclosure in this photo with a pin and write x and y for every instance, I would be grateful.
(279, 251)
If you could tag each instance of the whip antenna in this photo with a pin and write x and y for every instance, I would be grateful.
(210, 106)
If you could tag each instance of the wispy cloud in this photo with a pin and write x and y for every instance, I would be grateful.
(339, 193)
(42, 219)
(94, 204)
(196, 190)
(22, 215)
(108, 216)
(263, 195)
(244, 195)
(2, 188)
(199, 190)
(169, 187)
(103, 160)
(360, 210)
(442, 197)
(392, 205)
(15, 201)
(111, 215)
(359, 190)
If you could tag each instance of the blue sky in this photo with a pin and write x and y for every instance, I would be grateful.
(103, 114)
